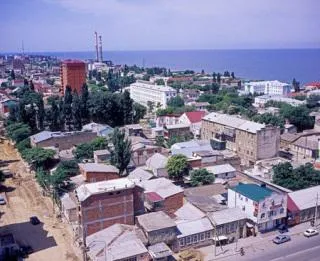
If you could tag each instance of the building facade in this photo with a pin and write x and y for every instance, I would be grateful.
(143, 92)
(73, 73)
(268, 87)
(250, 140)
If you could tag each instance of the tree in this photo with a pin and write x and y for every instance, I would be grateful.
(67, 107)
(219, 78)
(121, 151)
(176, 102)
(160, 141)
(127, 103)
(296, 85)
(53, 116)
(302, 177)
(18, 131)
(76, 111)
(146, 77)
(160, 82)
(12, 75)
(84, 102)
(69, 167)
(150, 105)
(232, 75)
(38, 157)
(201, 177)
(85, 150)
(178, 167)
(139, 111)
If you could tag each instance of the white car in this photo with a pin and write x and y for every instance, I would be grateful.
(310, 232)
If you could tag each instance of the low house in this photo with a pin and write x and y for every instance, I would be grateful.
(306, 147)
(225, 171)
(61, 140)
(157, 131)
(200, 106)
(140, 174)
(142, 152)
(176, 130)
(302, 205)
(188, 148)
(193, 118)
(158, 227)
(169, 119)
(94, 172)
(157, 164)
(69, 208)
(133, 130)
(117, 243)
(194, 233)
(265, 207)
(208, 157)
(188, 212)
(160, 252)
(101, 156)
(229, 224)
(102, 130)
(171, 194)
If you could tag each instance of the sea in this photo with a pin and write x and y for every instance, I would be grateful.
(271, 64)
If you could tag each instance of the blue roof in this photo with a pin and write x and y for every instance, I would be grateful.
(253, 191)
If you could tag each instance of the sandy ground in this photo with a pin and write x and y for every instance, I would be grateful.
(51, 240)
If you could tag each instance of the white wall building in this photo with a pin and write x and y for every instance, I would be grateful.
(268, 87)
(260, 101)
(143, 91)
(263, 206)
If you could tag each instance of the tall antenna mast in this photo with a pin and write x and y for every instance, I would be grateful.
(100, 49)
(97, 51)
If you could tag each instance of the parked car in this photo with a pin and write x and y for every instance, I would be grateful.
(2, 200)
(34, 220)
(310, 232)
(283, 228)
(281, 239)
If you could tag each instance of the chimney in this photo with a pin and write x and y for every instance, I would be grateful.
(97, 51)
(100, 49)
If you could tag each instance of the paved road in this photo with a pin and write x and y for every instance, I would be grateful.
(299, 249)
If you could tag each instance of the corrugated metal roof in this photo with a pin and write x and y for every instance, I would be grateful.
(253, 191)
(227, 215)
(305, 198)
(220, 169)
(187, 228)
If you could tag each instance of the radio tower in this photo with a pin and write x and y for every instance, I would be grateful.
(100, 49)
(97, 51)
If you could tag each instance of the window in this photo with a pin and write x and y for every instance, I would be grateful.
(188, 240)
(181, 241)
(246, 199)
(208, 234)
(202, 237)
(195, 238)
(232, 228)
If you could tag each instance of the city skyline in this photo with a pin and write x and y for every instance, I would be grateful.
(69, 25)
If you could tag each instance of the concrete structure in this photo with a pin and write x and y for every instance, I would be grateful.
(267, 87)
(250, 140)
(302, 205)
(73, 73)
(160, 252)
(164, 120)
(102, 130)
(193, 118)
(177, 130)
(171, 195)
(95, 172)
(101, 156)
(105, 203)
(141, 152)
(306, 147)
(229, 224)
(143, 92)
(69, 208)
(194, 233)
(260, 101)
(61, 140)
(117, 243)
(158, 227)
(157, 164)
(224, 171)
(266, 208)
(133, 130)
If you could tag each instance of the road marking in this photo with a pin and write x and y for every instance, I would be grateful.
(296, 253)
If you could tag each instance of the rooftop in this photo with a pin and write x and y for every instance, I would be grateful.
(157, 161)
(155, 221)
(234, 122)
(187, 228)
(253, 191)
(188, 212)
(85, 191)
(311, 142)
(148, 85)
(305, 198)
(177, 126)
(227, 215)
(140, 174)
(189, 147)
(219, 169)
(195, 116)
(97, 167)
(159, 250)
(164, 187)
(101, 152)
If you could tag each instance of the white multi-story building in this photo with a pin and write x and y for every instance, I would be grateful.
(266, 208)
(143, 91)
(260, 101)
(267, 87)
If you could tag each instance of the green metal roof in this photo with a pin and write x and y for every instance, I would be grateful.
(253, 191)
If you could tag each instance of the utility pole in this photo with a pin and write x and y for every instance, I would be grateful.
(238, 234)
(316, 212)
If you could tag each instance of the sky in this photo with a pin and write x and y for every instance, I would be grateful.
(69, 25)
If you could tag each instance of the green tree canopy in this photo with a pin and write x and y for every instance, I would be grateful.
(178, 167)
(176, 102)
(201, 177)
(18, 131)
(38, 157)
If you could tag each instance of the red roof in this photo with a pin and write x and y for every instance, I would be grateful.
(69, 61)
(153, 196)
(291, 206)
(195, 116)
(313, 84)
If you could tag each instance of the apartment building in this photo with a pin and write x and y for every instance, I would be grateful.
(265, 207)
(250, 140)
(73, 73)
(105, 203)
(143, 92)
(268, 87)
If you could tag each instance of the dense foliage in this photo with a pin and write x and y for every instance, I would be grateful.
(302, 177)
(85, 150)
(38, 157)
(201, 177)
(178, 167)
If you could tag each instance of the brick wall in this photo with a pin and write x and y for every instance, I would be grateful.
(173, 203)
(138, 200)
(103, 210)
(99, 176)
